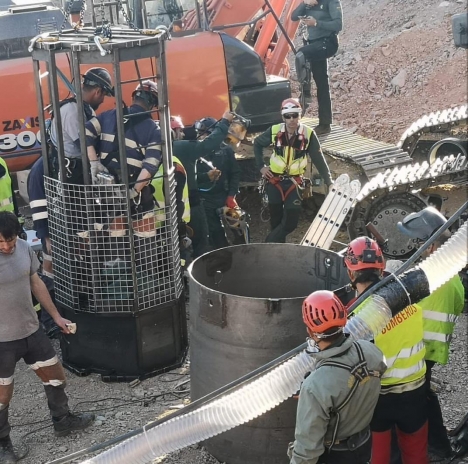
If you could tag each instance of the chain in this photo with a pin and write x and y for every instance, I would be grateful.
(80, 23)
(126, 17)
(103, 12)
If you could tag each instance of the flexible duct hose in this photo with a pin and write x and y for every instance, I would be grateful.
(248, 402)
(257, 397)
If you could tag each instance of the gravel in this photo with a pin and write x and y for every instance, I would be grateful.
(382, 39)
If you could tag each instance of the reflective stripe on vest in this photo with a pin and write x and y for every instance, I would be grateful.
(405, 353)
(185, 194)
(440, 313)
(441, 317)
(6, 199)
(435, 336)
(158, 184)
(401, 341)
(287, 162)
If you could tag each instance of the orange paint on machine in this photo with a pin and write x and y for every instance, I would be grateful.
(211, 67)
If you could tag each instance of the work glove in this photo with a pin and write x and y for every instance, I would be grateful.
(132, 193)
(231, 202)
(96, 167)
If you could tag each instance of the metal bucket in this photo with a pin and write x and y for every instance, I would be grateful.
(245, 310)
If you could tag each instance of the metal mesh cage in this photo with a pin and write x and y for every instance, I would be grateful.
(103, 264)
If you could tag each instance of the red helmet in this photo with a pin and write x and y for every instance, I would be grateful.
(291, 105)
(176, 122)
(147, 90)
(323, 310)
(364, 253)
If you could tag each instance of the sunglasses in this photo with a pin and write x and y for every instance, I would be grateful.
(291, 116)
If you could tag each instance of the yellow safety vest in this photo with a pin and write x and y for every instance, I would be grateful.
(286, 159)
(158, 184)
(6, 198)
(401, 341)
(440, 313)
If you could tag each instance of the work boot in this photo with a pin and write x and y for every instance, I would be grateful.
(322, 129)
(7, 453)
(441, 452)
(72, 422)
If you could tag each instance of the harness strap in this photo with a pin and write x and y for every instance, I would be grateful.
(359, 371)
(296, 183)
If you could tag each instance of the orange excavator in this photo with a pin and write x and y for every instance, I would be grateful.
(223, 54)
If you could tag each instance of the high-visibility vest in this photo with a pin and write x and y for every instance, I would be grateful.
(6, 198)
(401, 341)
(286, 159)
(440, 313)
(158, 184)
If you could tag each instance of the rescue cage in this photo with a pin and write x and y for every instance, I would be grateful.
(99, 265)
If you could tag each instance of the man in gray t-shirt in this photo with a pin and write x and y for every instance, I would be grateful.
(21, 337)
(96, 85)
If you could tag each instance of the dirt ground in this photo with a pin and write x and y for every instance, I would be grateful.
(382, 39)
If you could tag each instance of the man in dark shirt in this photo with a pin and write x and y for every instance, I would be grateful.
(324, 20)
(143, 150)
(189, 151)
(218, 184)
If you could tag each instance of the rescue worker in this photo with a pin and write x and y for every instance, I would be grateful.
(218, 188)
(96, 85)
(337, 399)
(181, 192)
(6, 190)
(440, 313)
(402, 400)
(324, 20)
(21, 338)
(188, 152)
(143, 152)
(292, 141)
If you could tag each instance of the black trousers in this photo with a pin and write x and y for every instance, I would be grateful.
(199, 226)
(284, 215)
(317, 53)
(216, 232)
(361, 455)
(33, 349)
(437, 436)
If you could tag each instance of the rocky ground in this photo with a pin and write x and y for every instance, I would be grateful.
(396, 62)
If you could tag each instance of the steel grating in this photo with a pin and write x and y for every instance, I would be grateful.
(101, 263)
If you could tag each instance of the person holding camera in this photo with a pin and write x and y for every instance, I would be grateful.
(324, 20)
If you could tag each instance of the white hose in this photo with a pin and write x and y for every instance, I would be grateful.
(241, 406)
(447, 260)
(264, 393)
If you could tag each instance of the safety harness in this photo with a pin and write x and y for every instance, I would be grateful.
(359, 371)
(297, 150)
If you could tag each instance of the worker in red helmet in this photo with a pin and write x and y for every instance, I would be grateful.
(292, 143)
(337, 399)
(402, 401)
